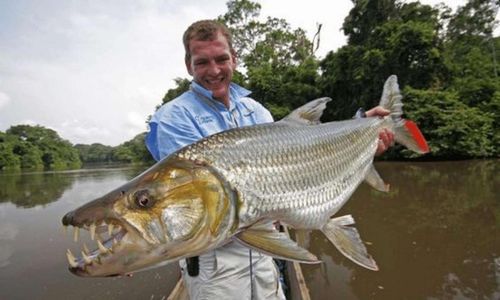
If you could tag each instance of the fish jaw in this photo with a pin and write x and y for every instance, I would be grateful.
(175, 209)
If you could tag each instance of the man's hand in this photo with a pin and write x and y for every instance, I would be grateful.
(386, 137)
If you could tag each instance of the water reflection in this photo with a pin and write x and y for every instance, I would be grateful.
(436, 235)
(29, 190)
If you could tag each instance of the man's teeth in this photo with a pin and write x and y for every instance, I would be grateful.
(215, 81)
(89, 257)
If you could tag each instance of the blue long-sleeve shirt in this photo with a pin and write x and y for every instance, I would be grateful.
(195, 114)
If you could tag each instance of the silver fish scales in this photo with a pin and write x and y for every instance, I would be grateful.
(300, 175)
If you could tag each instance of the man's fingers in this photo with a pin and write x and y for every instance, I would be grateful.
(380, 147)
(377, 111)
(391, 138)
(386, 140)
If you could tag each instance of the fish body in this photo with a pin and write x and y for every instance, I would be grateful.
(231, 185)
(300, 175)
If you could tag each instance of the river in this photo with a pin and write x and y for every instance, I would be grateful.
(435, 235)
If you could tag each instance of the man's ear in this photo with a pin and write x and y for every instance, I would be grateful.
(234, 57)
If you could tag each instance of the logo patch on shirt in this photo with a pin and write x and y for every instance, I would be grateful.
(204, 119)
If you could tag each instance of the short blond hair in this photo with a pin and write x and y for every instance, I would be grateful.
(205, 30)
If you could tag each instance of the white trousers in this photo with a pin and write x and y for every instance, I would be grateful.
(225, 274)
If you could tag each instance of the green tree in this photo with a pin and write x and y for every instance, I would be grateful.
(94, 153)
(133, 151)
(31, 156)
(453, 129)
(402, 39)
(472, 56)
(182, 85)
(365, 16)
(37, 144)
(281, 69)
(8, 160)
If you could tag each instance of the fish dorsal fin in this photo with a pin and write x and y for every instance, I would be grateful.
(309, 113)
(276, 244)
(346, 239)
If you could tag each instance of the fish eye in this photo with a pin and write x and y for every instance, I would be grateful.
(143, 199)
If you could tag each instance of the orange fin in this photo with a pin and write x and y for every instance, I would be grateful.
(407, 133)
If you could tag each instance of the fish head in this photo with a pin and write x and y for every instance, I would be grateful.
(173, 210)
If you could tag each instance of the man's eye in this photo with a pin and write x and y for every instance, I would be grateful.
(222, 60)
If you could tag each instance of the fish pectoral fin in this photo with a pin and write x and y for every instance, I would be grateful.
(375, 181)
(276, 244)
(347, 240)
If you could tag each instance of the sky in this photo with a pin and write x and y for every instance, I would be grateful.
(95, 70)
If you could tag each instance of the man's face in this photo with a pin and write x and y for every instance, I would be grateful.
(212, 65)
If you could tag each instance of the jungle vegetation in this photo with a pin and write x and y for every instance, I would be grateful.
(447, 63)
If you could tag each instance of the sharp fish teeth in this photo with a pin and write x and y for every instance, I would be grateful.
(92, 231)
(76, 233)
(101, 247)
(86, 258)
(110, 229)
(71, 259)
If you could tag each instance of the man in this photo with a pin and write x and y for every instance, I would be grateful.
(215, 104)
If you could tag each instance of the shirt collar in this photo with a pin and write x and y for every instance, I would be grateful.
(235, 93)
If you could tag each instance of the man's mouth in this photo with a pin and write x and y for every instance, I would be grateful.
(215, 81)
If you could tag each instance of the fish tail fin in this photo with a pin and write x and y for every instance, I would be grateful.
(347, 240)
(406, 132)
(411, 137)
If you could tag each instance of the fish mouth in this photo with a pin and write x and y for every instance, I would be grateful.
(108, 235)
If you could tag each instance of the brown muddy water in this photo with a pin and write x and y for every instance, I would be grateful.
(436, 235)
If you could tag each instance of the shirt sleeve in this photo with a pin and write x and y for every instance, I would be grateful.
(262, 115)
(169, 130)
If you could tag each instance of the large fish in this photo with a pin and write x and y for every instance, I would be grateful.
(231, 185)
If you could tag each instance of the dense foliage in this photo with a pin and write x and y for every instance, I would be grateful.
(133, 151)
(36, 147)
(446, 64)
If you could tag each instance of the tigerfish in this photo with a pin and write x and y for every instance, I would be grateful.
(230, 186)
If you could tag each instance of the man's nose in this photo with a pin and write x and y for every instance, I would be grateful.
(213, 68)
